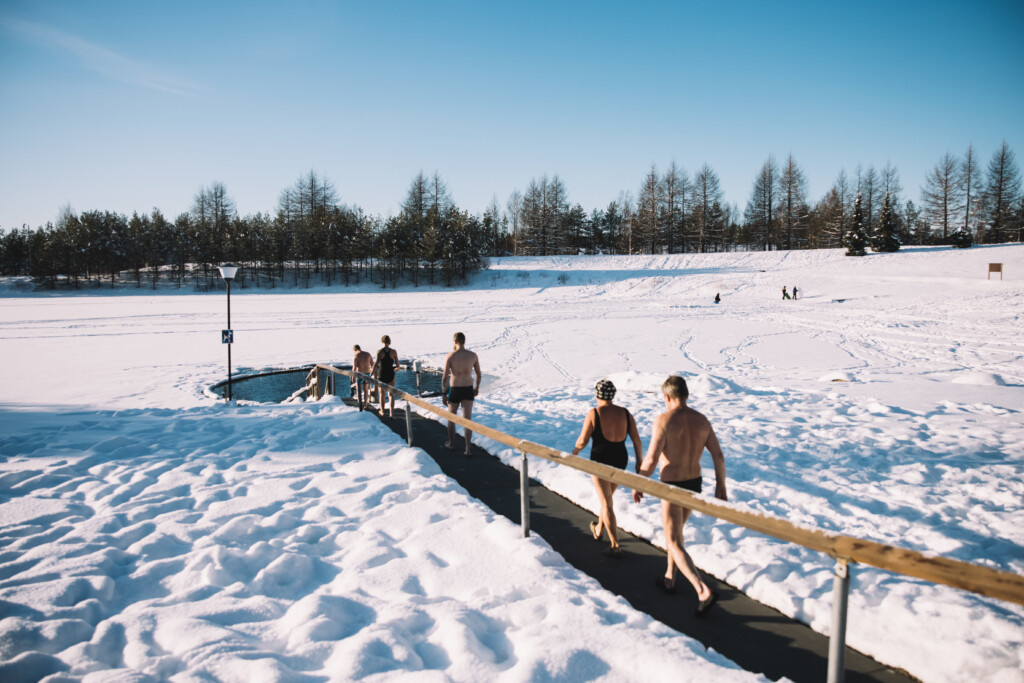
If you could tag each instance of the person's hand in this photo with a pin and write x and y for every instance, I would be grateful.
(476, 392)
(637, 496)
(444, 400)
(720, 493)
(576, 451)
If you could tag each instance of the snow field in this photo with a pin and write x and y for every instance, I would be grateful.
(282, 543)
(920, 442)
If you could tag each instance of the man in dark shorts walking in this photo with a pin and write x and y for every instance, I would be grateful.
(460, 366)
(678, 440)
(362, 362)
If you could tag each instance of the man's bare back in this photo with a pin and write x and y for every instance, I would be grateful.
(460, 366)
(363, 361)
(686, 433)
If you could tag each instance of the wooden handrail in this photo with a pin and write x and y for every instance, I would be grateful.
(974, 578)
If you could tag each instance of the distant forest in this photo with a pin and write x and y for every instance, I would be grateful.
(312, 238)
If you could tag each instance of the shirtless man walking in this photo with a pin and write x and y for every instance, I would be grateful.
(362, 361)
(461, 364)
(679, 438)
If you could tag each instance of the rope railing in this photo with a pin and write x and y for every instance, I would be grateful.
(844, 549)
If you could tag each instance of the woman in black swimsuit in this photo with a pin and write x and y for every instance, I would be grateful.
(605, 424)
(384, 369)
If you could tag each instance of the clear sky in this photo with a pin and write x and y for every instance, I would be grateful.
(126, 106)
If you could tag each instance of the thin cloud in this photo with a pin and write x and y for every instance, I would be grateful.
(108, 63)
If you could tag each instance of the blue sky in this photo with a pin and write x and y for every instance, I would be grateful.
(127, 106)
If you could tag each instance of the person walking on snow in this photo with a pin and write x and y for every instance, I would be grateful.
(458, 388)
(679, 438)
(384, 370)
(609, 425)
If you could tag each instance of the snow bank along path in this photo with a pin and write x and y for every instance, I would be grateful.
(283, 543)
(900, 453)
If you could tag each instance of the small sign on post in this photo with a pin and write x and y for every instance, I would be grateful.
(995, 268)
(227, 336)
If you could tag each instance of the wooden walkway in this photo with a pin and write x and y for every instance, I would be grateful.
(758, 638)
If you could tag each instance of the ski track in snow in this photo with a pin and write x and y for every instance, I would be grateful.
(143, 528)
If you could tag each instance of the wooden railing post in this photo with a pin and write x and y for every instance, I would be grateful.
(837, 641)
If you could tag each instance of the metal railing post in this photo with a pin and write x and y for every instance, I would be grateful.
(524, 495)
(408, 422)
(837, 642)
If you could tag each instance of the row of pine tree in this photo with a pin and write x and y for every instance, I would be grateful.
(314, 238)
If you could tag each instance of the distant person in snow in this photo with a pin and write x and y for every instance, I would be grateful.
(458, 387)
(384, 370)
(362, 362)
(785, 294)
(718, 298)
(678, 441)
(609, 425)
(794, 291)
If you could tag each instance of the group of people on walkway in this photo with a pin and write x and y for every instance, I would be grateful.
(458, 386)
(679, 437)
(678, 440)
(383, 368)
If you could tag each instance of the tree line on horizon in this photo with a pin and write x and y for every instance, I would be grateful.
(314, 238)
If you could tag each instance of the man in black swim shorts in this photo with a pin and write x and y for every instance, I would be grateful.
(678, 440)
(458, 387)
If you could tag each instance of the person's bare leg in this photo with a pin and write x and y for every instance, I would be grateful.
(674, 518)
(392, 395)
(467, 412)
(450, 443)
(670, 570)
(608, 513)
(598, 529)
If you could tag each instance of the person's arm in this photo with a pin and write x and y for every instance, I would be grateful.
(654, 449)
(588, 428)
(479, 376)
(394, 356)
(638, 448)
(719, 459)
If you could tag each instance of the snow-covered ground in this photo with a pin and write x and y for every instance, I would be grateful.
(145, 527)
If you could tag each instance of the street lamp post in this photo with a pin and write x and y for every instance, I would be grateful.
(228, 271)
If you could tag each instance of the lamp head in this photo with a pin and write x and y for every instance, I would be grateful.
(228, 271)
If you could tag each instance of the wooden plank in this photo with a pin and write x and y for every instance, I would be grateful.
(974, 578)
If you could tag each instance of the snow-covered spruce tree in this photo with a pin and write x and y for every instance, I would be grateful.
(854, 239)
(1002, 185)
(961, 239)
(885, 238)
